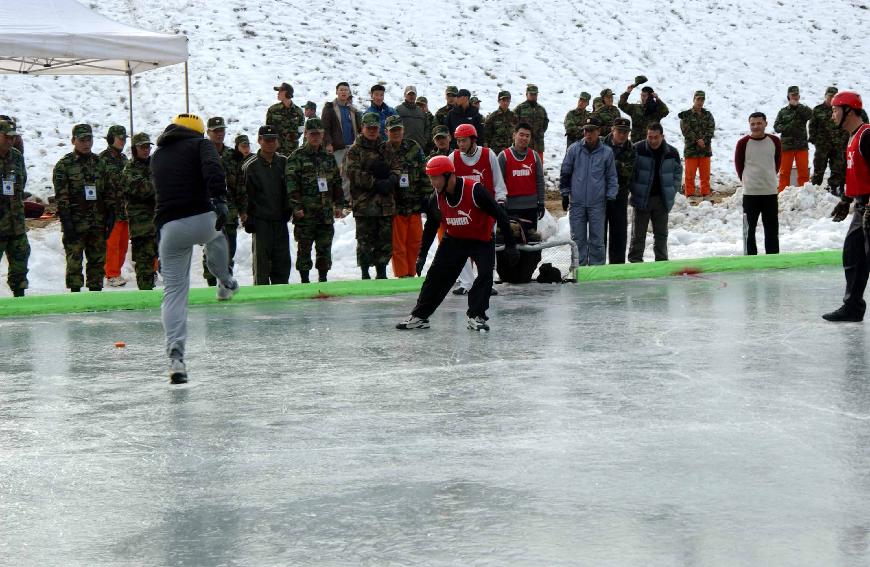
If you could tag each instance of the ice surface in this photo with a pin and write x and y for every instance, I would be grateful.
(713, 420)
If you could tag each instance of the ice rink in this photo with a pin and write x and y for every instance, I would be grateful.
(709, 421)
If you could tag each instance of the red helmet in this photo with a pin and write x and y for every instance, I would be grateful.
(848, 98)
(465, 131)
(439, 165)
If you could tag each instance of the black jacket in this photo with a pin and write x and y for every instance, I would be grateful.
(187, 174)
(459, 116)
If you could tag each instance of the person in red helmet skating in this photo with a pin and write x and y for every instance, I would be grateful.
(847, 111)
(468, 211)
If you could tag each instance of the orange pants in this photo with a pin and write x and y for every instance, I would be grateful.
(116, 248)
(693, 165)
(799, 157)
(407, 237)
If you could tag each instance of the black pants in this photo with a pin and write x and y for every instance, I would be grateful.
(530, 215)
(449, 259)
(270, 252)
(855, 264)
(768, 207)
(616, 229)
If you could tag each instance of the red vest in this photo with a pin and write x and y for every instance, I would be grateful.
(481, 172)
(857, 172)
(465, 220)
(520, 176)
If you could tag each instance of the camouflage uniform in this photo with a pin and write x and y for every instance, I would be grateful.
(499, 130)
(372, 211)
(697, 126)
(574, 121)
(140, 198)
(791, 123)
(639, 117)
(441, 113)
(236, 200)
(113, 164)
(830, 142)
(84, 201)
(536, 116)
(436, 152)
(305, 167)
(625, 157)
(13, 234)
(605, 114)
(288, 120)
(409, 200)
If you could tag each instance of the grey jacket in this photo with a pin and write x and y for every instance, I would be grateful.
(589, 177)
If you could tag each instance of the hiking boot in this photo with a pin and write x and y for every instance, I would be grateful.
(321, 275)
(17, 293)
(460, 291)
(226, 292)
(842, 315)
(477, 324)
(381, 271)
(365, 273)
(177, 371)
(117, 281)
(413, 323)
(303, 277)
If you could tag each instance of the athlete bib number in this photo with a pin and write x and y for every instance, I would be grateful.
(322, 185)
(90, 193)
(404, 182)
(8, 187)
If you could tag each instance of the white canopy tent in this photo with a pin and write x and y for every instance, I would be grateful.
(63, 37)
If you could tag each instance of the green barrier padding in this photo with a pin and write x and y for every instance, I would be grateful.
(133, 300)
(647, 270)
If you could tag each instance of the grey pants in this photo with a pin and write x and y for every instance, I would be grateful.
(587, 231)
(177, 239)
(656, 213)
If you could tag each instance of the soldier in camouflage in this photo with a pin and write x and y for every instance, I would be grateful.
(616, 214)
(287, 118)
(531, 112)
(373, 170)
(499, 125)
(113, 159)
(441, 141)
(791, 124)
(606, 112)
(86, 207)
(243, 146)
(441, 113)
(698, 127)
(13, 233)
(830, 143)
(413, 191)
(576, 118)
(316, 198)
(232, 163)
(139, 195)
(650, 110)
(423, 104)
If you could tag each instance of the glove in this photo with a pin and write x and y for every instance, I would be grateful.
(541, 210)
(841, 211)
(383, 186)
(379, 169)
(250, 225)
(865, 220)
(69, 230)
(222, 212)
(420, 263)
(565, 202)
(513, 255)
(110, 223)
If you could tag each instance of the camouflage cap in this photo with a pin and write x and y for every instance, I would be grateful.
(7, 127)
(422, 100)
(451, 90)
(606, 92)
(640, 79)
(141, 139)
(394, 121)
(700, 94)
(314, 125)
(371, 119)
(267, 132)
(242, 139)
(504, 94)
(439, 131)
(585, 96)
(216, 123)
(82, 131)
(592, 123)
(286, 88)
(310, 105)
(794, 90)
(473, 99)
(531, 89)
(831, 91)
(117, 131)
(622, 124)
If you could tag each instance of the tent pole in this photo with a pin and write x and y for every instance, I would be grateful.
(186, 91)
(130, 91)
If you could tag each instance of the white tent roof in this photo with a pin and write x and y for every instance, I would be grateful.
(63, 37)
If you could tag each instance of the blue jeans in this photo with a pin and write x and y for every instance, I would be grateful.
(587, 231)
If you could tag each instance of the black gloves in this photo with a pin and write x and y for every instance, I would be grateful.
(110, 223)
(541, 210)
(841, 211)
(383, 186)
(250, 225)
(221, 210)
(379, 169)
(513, 255)
(565, 202)
(421, 261)
(69, 230)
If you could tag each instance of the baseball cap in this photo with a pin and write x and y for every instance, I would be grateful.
(371, 119)
(314, 125)
(410, 89)
(267, 131)
(394, 121)
(82, 131)
(216, 123)
(286, 88)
